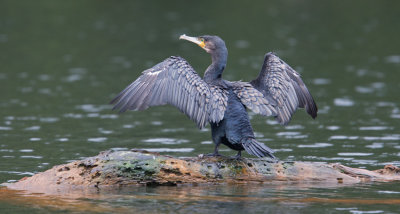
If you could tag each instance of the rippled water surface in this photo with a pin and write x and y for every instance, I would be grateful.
(62, 62)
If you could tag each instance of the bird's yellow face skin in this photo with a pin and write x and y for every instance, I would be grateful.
(202, 44)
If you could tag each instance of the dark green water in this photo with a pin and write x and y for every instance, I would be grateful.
(61, 62)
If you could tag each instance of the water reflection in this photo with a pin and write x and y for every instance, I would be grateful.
(93, 108)
(315, 145)
(166, 141)
(32, 128)
(97, 139)
(26, 150)
(76, 74)
(374, 128)
(393, 59)
(161, 150)
(375, 145)
(31, 156)
(333, 128)
(354, 154)
(200, 199)
(321, 81)
(342, 137)
(345, 102)
(4, 128)
(49, 119)
(63, 139)
(392, 137)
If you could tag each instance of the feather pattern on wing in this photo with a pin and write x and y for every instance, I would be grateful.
(174, 82)
(254, 99)
(281, 83)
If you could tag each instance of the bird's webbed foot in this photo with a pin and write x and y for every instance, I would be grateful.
(238, 156)
(215, 153)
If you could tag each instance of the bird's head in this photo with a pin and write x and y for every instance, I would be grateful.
(209, 43)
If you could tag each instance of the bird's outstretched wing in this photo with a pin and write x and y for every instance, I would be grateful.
(281, 84)
(174, 82)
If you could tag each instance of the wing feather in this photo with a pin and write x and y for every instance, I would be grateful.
(253, 99)
(279, 82)
(174, 82)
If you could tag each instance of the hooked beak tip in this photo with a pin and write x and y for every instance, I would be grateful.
(182, 36)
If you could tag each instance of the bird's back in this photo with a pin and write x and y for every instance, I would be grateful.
(236, 123)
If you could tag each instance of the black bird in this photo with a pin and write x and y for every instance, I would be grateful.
(277, 91)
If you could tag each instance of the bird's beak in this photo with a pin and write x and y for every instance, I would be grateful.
(195, 40)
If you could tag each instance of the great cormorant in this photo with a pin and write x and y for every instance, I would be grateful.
(277, 91)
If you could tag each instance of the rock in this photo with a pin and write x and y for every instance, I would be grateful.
(112, 169)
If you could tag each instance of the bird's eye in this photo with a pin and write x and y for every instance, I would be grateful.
(201, 39)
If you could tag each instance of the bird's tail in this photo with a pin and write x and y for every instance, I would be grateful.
(257, 149)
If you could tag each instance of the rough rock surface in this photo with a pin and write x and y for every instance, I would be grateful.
(121, 168)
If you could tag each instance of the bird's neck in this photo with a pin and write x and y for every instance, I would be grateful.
(214, 71)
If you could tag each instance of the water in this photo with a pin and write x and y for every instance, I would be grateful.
(62, 62)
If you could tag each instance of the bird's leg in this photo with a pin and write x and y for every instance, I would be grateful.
(215, 154)
(217, 136)
(238, 156)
